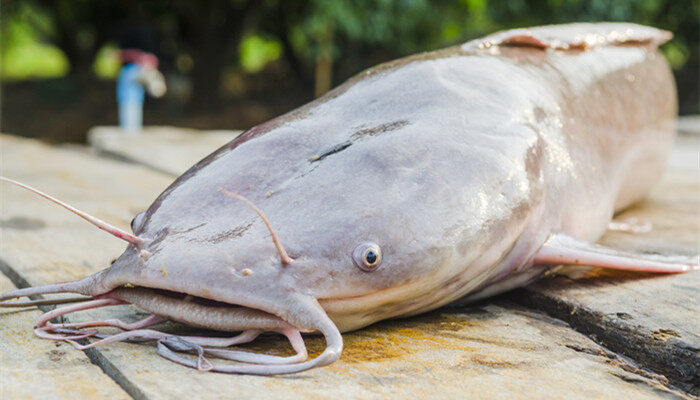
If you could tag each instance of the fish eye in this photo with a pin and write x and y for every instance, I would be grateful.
(137, 221)
(367, 256)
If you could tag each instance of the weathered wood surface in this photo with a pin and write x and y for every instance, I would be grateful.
(167, 149)
(492, 350)
(653, 318)
(41, 243)
(39, 369)
(689, 125)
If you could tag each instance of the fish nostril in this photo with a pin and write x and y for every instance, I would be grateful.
(144, 254)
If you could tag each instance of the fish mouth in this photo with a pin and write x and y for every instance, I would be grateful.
(201, 312)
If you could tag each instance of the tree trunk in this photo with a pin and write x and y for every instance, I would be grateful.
(216, 31)
(209, 60)
(324, 63)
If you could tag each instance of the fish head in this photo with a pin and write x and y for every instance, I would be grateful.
(366, 243)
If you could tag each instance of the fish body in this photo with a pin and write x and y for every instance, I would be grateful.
(451, 170)
(458, 163)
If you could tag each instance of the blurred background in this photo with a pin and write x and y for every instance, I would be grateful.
(231, 64)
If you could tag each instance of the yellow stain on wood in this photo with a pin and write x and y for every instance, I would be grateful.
(487, 361)
(387, 340)
(665, 334)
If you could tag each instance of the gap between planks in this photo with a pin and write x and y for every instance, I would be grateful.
(93, 354)
(679, 363)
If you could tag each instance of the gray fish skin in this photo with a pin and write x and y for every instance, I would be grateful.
(459, 164)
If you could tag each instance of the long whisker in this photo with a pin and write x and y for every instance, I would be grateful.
(46, 317)
(168, 344)
(146, 322)
(284, 257)
(78, 287)
(121, 234)
(41, 323)
(43, 302)
(74, 335)
(295, 340)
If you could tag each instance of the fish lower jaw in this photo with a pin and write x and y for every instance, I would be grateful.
(198, 311)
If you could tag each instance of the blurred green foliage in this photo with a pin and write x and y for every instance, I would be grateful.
(23, 52)
(403, 27)
(207, 39)
(107, 64)
(255, 52)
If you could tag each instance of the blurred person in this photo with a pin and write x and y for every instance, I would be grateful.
(138, 75)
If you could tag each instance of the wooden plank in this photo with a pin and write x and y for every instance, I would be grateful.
(497, 350)
(39, 369)
(166, 149)
(689, 125)
(47, 244)
(652, 318)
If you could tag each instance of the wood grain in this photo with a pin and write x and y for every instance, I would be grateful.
(39, 369)
(655, 319)
(165, 149)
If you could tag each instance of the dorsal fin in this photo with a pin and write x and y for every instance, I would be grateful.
(579, 36)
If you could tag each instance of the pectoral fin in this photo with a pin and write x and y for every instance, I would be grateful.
(563, 249)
